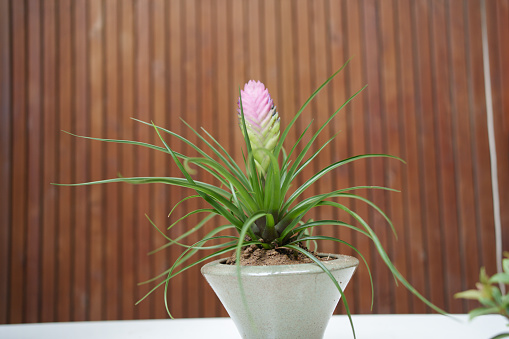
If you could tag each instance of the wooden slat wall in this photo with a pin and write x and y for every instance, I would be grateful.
(87, 67)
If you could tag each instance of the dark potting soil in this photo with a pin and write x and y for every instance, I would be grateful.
(255, 256)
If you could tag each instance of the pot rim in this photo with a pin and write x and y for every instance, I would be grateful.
(217, 267)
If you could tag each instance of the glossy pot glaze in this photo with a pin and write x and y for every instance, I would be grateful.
(287, 301)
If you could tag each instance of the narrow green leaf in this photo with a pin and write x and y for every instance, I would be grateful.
(500, 278)
(388, 262)
(326, 170)
(292, 122)
(318, 237)
(326, 271)
(301, 155)
(470, 294)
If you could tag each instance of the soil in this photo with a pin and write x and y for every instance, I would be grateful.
(255, 256)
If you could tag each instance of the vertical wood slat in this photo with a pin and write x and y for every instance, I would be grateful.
(112, 226)
(95, 25)
(205, 107)
(19, 164)
(127, 221)
(375, 144)
(394, 169)
(220, 90)
(126, 50)
(461, 133)
(176, 294)
(88, 66)
(190, 100)
(81, 126)
(338, 149)
(161, 162)
(412, 209)
(142, 112)
(49, 163)
(427, 153)
(65, 170)
(358, 171)
(5, 154)
(34, 233)
(445, 156)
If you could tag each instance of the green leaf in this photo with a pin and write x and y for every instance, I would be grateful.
(354, 196)
(287, 157)
(234, 169)
(213, 194)
(312, 224)
(205, 196)
(499, 278)
(301, 155)
(227, 154)
(246, 197)
(326, 170)
(199, 210)
(388, 262)
(292, 122)
(318, 237)
(326, 271)
(500, 336)
(505, 265)
(496, 294)
(482, 311)
(470, 294)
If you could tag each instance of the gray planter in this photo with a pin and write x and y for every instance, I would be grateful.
(288, 301)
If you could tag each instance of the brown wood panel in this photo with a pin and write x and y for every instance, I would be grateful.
(223, 106)
(445, 155)
(48, 150)
(427, 152)
(81, 126)
(5, 155)
(128, 282)
(160, 161)
(176, 294)
(89, 66)
(355, 80)
(111, 129)
(65, 168)
(375, 144)
(192, 279)
(95, 29)
(141, 157)
(461, 137)
(411, 190)
(337, 56)
(35, 168)
(393, 176)
(16, 297)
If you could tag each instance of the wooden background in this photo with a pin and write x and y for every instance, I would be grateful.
(88, 66)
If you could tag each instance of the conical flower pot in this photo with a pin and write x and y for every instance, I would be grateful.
(287, 301)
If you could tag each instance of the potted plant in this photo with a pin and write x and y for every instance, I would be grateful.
(489, 295)
(267, 213)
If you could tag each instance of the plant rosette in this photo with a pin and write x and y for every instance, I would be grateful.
(267, 212)
(489, 295)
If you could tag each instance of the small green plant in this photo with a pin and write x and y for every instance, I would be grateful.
(488, 294)
(259, 201)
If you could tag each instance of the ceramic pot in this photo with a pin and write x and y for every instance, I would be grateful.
(287, 301)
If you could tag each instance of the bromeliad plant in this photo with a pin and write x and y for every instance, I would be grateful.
(259, 202)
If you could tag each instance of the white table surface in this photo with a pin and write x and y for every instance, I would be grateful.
(366, 326)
